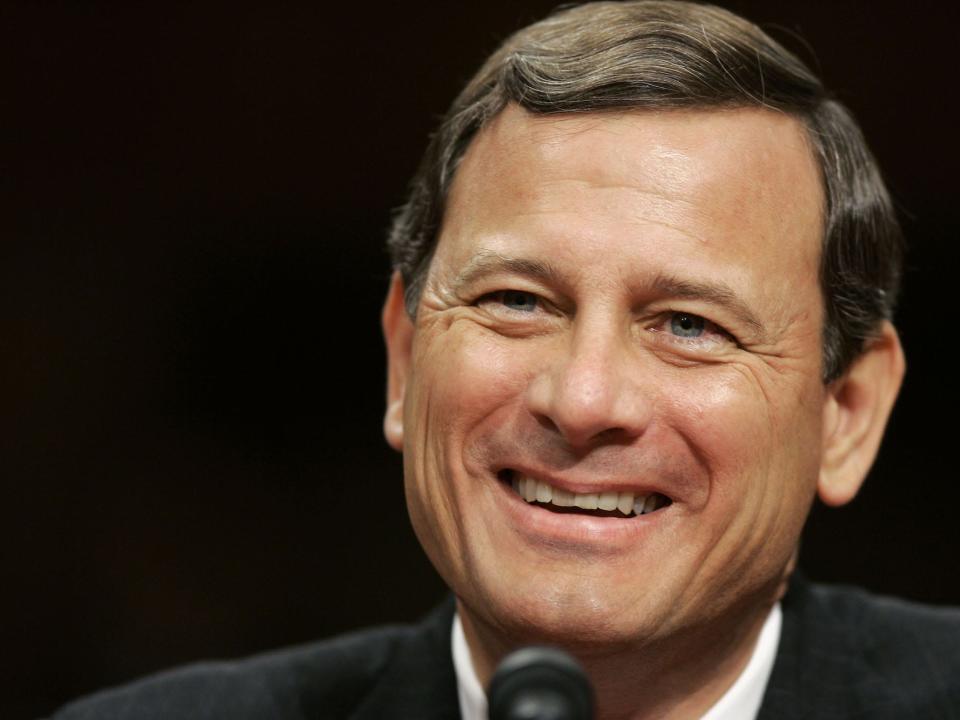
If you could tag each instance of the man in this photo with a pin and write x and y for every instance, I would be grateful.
(640, 318)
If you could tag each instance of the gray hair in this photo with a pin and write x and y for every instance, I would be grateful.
(663, 54)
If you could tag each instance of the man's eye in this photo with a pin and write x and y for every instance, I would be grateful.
(516, 300)
(686, 325)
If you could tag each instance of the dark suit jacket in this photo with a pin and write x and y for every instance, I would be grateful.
(842, 654)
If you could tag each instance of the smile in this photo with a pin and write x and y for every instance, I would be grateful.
(605, 504)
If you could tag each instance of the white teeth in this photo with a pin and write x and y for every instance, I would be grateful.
(607, 501)
(544, 492)
(587, 501)
(530, 491)
(646, 504)
(533, 490)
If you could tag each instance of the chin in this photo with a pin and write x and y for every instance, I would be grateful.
(571, 616)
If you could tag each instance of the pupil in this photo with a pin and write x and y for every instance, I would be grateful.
(687, 325)
(519, 300)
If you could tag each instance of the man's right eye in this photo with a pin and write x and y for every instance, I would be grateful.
(516, 300)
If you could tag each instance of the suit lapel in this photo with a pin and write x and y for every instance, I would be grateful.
(419, 682)
(782, 700)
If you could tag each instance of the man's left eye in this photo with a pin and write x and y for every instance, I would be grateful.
(687, 325)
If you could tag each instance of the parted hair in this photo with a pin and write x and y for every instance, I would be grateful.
(665, 54)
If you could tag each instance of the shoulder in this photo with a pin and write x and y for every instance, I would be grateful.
(888, 631)
(845, 651)
(328, 679)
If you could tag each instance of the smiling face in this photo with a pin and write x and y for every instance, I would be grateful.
(627, 307)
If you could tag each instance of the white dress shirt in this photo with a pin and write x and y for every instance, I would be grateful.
(740, 702)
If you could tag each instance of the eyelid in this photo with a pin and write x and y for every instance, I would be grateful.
(711, 330)
(542, 304)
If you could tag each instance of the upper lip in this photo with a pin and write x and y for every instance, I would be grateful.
(589, 485)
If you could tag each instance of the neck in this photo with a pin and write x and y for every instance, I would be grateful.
(676, 677)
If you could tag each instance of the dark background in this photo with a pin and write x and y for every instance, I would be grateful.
(191, 374)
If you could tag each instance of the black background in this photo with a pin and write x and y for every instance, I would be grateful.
(194, 202)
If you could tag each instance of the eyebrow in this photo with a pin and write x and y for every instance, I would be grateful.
(488, 262)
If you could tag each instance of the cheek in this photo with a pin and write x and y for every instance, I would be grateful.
(717, 415)
(756, 439)
(464, 379)
(464, 375)
(755, 444)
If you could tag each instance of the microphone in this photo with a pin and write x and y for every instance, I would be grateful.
(540, 683)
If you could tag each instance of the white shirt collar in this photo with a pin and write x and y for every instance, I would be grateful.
(743, 698)
(740, 702)
(473, 699)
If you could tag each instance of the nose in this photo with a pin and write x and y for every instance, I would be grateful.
(591, 391)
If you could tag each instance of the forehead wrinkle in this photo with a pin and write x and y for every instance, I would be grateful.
(649, 205)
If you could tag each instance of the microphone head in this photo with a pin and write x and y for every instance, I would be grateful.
(540, 683)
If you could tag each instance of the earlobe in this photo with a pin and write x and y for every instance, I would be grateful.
(398, 334)
(855, 414)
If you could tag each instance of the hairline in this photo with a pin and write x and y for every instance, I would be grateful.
(858, 287)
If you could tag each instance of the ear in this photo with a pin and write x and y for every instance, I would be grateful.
(398, 334)
(856, 411)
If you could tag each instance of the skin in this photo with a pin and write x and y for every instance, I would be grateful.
(550, 341)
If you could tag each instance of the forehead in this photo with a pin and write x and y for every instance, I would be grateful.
(731, 160)
(738, 189)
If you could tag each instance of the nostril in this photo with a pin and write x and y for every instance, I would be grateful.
(547, 424)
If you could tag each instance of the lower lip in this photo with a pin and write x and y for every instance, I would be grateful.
(541, 524)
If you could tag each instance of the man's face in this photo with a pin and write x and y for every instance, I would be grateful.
(623, 305)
